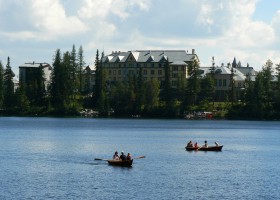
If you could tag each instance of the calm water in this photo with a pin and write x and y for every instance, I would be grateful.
(52, 158)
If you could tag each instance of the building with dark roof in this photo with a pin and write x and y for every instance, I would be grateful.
(119, 66)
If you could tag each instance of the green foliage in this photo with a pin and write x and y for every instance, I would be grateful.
(1, 85)
(193, 86)
(8, 87)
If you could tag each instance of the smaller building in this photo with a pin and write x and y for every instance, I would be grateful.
(27, 70)
(88, 82)
(222, 76)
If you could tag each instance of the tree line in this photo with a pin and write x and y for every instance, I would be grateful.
(69, 92)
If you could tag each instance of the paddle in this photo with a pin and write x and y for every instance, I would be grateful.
(198, 148)
(100, 159)
(140, 157)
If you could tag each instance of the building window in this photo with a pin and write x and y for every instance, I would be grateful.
(145, 72)
(174, 68)
(152, 72)
(109, 72)
(224, 82)
(220, 82)
(153, 65)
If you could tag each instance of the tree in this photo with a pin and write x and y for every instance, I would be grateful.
(72, 67)
(1, 85)
(207, 89)
(100, 92)
(193, 87)
(8, 86)
(81, 64)
(232, 83)
(57, 83)
(277, 91)
(22, 104)
(152, 95)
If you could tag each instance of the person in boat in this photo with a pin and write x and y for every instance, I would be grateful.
(122, 156)
(205, 144)
(190, 144)
(195, 145)
(128, 157)
(116, 156)
(216, 143)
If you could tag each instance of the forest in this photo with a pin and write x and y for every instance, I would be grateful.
(68, 93)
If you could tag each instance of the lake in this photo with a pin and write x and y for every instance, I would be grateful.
(53, 158)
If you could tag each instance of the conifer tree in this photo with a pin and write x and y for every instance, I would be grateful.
(8, 86)
(1, 85)
(57, 83)
(81, 64)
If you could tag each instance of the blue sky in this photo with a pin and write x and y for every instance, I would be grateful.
(31, 30)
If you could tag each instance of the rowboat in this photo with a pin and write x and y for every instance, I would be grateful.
(209, 148)
(121, 163)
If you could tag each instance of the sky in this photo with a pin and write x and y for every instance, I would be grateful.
(249, 30)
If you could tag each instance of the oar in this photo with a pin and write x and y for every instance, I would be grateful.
(140, 157)
(100, 159)
(198, 148)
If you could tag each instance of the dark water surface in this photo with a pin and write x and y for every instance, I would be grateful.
(53, 158)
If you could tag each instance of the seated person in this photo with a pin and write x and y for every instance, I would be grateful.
(205, 144)
(122, 156)
(128, 157)
(116, 156)
(190, 144)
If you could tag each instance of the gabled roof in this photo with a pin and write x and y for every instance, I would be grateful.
(142, 56)
(239, 76)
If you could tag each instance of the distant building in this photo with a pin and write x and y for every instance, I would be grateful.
(222, 76)
(88, 79)
(119, 66)
(27, 69)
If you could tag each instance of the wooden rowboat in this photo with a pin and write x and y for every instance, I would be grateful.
(209, 148)
(125, 163)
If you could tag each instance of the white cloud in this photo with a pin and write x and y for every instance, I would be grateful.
(41, 20)
(96, 9)
(50, 17)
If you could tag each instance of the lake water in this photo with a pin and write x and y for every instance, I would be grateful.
(53, 158)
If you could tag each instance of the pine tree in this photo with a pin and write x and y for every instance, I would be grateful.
(8, 86)
(1, 85)
(100, 92)
(81, 64)
(73, 69)
(57, 83)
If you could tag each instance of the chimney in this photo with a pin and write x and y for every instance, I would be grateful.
(193, 51)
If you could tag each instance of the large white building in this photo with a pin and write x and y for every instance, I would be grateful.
(119, 66)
